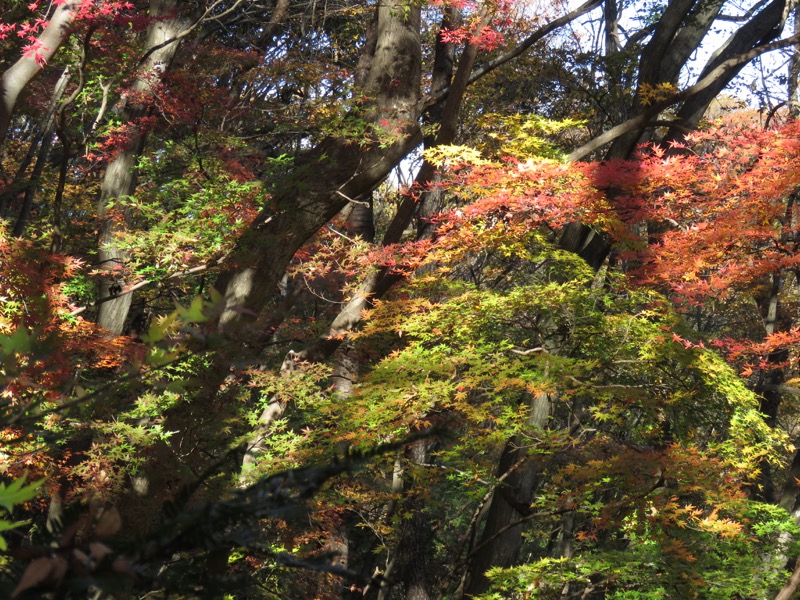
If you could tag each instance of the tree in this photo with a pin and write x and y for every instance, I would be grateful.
(556, 342)
(35, 54)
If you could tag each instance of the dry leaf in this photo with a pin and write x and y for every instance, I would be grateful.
(99, 551)
(71, 532)
(37, 572)
(60, 567)
(120, 565)
(109, 524)
(82, 565)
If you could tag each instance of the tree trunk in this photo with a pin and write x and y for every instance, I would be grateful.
(16, 77)
(119, 180)
(329, 176)
(45, 129)
(763, 28)
(679, 32)
(347, 173)
(409, 562)
(611, 22)
(787, 593)
(770, 381)
(794, 70)
(790, 501)
(46, 143)
(498, 546)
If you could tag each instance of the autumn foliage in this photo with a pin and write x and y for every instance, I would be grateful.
(336, 381)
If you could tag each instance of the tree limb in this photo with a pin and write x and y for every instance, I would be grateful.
(643, 120)
(519, 48)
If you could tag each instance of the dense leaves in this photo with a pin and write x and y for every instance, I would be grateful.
(244, 355)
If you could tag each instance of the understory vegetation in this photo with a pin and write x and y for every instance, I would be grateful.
(399, 300)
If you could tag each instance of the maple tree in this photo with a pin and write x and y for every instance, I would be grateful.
(239, 357)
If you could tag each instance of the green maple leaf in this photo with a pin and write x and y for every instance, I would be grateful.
(6, 526)
(17, 493)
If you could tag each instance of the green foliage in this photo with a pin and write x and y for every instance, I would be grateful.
(187, 221)
(612, 365)
(12, 495)
(295, 440)
(706, 565)
(522, 136)
(80, 289)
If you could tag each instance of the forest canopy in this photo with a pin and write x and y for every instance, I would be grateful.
(395, 299)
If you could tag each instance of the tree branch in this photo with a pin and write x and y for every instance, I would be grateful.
(144, 282)
(519, 48)
(190, 29)
(643, 120)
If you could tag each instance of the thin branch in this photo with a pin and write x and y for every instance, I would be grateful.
(340, 234)
(746, 16)
(190, 29)
(519, 48)
(349, 199)
(145, 282)
(527, 351)
(644, 120)
(783, 389)
(101, 112)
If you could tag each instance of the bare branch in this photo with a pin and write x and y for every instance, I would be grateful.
(645, 119)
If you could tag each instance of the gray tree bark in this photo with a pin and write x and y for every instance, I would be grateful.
(20, 74)
(611, 23)
(643, 120)
(678, 34)
(120, 176)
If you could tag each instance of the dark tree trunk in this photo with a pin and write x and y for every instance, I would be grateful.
(509, 504)
(322, 184)
(335, 172)
(410, 560)
(499, 544)
(361, 222)
(678, 34)
(763, 28)
(42, 140)
(46, 144)
(794, 70)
